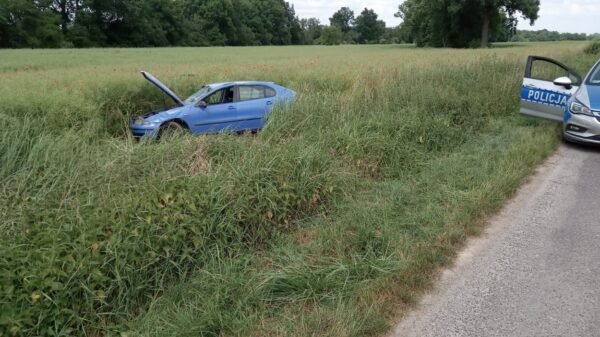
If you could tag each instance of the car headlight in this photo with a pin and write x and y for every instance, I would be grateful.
(580, 108)
(141, 121)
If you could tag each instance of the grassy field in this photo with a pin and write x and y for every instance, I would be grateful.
(330, 222)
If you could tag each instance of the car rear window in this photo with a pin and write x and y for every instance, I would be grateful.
(249, 92)
(270, 92)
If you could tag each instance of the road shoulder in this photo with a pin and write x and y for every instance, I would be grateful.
(524, 276)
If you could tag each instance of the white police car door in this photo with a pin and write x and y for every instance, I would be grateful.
(543, 93)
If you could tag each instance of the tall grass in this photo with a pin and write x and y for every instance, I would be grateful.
(387, 161)
(593, 48)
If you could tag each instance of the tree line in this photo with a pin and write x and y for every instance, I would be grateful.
(155, 23)
(547, 35)
(345, 27)
(138, 23)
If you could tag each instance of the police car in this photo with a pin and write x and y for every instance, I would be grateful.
(568, 98)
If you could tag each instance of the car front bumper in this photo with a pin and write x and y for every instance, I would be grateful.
(140, 131)
(582, 129)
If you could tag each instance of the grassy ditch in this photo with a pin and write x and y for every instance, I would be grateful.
(328, 222)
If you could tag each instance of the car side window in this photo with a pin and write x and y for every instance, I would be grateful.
(249, 92)
(228, 95)
(214, 98)
(269, 92)
(548, 71)
(595, 77)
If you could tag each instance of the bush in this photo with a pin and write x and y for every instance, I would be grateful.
(593, 48)
(330, 35)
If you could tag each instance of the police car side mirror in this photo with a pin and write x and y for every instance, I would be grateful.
(564, 82)
(202, 104)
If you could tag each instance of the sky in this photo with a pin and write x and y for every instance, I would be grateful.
(573, 16)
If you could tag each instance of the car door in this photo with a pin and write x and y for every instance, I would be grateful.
(219, 114)
(546, 90)
(254, 104)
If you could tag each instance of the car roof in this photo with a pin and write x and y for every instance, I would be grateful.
(217, 86)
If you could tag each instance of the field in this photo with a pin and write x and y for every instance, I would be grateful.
(330, 222)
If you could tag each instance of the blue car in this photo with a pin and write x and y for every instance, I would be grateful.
(555, 92)
(218, 107)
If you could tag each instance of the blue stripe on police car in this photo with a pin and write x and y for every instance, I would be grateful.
(544, 96)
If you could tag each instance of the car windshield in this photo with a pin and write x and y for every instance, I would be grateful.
(595, 77)
(198, 95)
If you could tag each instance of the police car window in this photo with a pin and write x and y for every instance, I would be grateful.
(248, 92)
(214, 98)
(546, 71)
(269, 92)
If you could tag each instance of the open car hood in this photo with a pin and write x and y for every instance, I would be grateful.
(163, 87)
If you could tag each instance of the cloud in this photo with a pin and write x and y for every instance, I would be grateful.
(576, 16)
(583, 8)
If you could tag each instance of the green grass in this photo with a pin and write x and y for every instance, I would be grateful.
(593, 48)
(330, 222)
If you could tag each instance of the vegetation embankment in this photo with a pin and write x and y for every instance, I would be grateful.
(593, 48)
(326, 223)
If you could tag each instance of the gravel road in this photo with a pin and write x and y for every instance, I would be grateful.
(536, 269)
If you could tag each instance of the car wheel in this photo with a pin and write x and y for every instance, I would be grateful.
(171, 129)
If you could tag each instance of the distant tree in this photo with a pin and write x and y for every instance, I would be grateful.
(546, 35)
(311, 29)
(368, 28)
(273, 22)
(241, 34)
(492, 9)
(330, 35)
(462, 23)
(67, 10)
(503, 30)
(137, 23)
(25, 23)
(424, 22)
(391, 35)
(133, 23)
(293, 23)
(343, 19)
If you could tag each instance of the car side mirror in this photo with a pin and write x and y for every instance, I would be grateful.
(564, 82)
(202, 104)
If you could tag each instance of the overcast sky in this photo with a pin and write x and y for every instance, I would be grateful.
(575, 16)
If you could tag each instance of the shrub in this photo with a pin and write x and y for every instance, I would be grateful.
(330, 35)
(593, 48)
